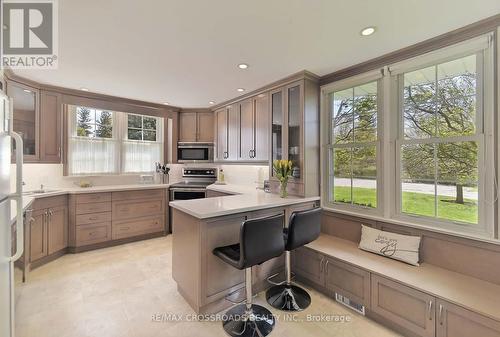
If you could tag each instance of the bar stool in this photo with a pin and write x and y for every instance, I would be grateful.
(304, 227)
(260, 240)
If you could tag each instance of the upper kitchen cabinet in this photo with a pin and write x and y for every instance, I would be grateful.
(26, 117)
(195, 127)
(227, 128)
(38, 120)
(254, 128)
(295, 133)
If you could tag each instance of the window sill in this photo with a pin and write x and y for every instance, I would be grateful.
(405, 223)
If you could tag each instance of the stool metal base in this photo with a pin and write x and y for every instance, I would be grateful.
(288, 298)
(258, 323)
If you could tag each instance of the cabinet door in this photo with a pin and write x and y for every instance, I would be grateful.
(187, 127)
(26, 117)
(409, 308)
(348, 281)
(233, 129)
(205, 121)
(455, 321)
(309, 265)
(50, 127)
(294, 110)
(221, 151)
(57, 229)
(38, 235)
(277, 122)
(246, 130)
(262, 122)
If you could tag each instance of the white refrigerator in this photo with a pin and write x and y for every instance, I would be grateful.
(11, 210)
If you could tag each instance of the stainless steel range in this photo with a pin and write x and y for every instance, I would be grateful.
(194, 183)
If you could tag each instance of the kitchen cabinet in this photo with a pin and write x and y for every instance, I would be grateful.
(26, 117)
(50, 127)
(455, 321)
(295, 128)
(348, 281)
(196, 127)
(48, 228)
(308, 264)
(228, 133)
(254, 128)
(411, 309)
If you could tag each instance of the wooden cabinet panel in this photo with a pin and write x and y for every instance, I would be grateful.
(204, 125)
(49, 202)
(93, 218)
(188, 127)
(50, 127)
(38, 236)
(141, 194)
(93, 197)
(233, 132)
(94, 207)
(137, 208)
(348, 281)
(262, 123)
(221, 129)
(247, 129)
(125, 229)
(57, 229)
(411, 309)
(309, 265)
(93, 233)
(454, 321)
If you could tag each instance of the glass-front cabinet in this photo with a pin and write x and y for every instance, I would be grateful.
(292, 107)
(26, 117)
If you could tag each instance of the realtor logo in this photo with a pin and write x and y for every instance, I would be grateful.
(29, 34)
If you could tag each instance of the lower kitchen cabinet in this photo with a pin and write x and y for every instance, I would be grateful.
(411, 309)
(57, 229)
(135, 227)
(38, 236)
(92, 233)
(308, 264)
(455, 321)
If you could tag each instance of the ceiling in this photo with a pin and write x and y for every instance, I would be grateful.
(186, 52)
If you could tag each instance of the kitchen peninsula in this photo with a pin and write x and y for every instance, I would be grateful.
(200, 225)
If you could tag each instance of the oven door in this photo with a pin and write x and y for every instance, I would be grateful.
(195, 153)
(187, 193)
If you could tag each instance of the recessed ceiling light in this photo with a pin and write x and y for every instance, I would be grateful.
(166, 103)
(243, 66)
(368, 31)
(84, 89)
(211, 102)
(240, 89)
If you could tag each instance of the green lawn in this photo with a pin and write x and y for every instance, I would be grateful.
(415, 203)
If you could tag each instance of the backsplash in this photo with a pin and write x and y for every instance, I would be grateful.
(51, 176)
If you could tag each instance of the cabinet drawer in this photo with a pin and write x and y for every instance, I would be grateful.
(348, 281)
(93, 218)
(136, 209)
(94, 233)
(125, 229)
(48, 202)
(94, 207)
(409, 308)
(93, 197)
(142, 194)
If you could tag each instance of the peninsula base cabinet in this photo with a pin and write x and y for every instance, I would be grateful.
(403, 308)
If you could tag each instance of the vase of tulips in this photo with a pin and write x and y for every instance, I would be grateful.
(283, 170)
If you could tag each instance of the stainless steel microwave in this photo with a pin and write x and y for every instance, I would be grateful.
(195, 152)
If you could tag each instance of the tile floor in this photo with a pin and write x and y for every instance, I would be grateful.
(115, 292)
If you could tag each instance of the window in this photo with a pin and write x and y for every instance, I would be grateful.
(440, 140)
(353, 146)
(109, 142)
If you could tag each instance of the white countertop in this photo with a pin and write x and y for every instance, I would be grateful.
(245, 199)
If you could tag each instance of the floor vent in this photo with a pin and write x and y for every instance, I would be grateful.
(350, 304)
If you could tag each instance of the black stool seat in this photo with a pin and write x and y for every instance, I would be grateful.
(260, 241)
(304, 227)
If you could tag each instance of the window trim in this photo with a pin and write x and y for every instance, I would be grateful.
(328, 146)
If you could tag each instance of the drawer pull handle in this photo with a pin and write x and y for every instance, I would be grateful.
(430, 310)
(93, 218)
(92, 233)
(440, 314)
(125, 228)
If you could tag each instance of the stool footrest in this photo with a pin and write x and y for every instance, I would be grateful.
(238, 296)
(271, 279)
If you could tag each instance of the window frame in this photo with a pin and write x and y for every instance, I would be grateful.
(485, 226)
(328, 147)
